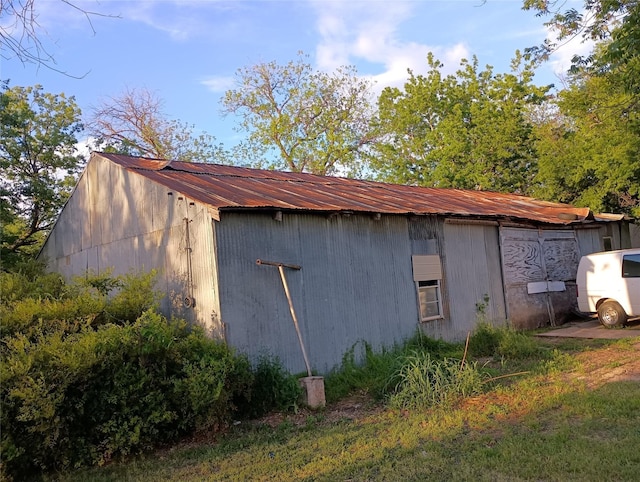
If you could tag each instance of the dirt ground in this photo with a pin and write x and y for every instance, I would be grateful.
(606, 365)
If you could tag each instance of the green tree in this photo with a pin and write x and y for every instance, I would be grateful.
(471, 130)
(589, 148)
(614, 24)
(300, 119)
(134, 123)
(38, 165)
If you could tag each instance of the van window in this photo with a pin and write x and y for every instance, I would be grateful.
(631, 266)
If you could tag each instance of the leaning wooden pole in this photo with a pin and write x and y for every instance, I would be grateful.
(281, 267)
(295, 318)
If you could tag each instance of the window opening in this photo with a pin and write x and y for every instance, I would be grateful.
(430, 303)
(427, 273)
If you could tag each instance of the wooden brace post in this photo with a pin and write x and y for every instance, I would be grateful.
(283, 278)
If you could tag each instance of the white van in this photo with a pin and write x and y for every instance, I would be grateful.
(609, 284)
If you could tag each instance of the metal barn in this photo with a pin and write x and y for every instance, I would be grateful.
(362, 261)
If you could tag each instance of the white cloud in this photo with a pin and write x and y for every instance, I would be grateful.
(355, 31)
(218, 83)
(182, 20)
(86, 146)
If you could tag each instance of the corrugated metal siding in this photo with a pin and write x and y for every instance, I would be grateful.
(473, 272)
(119, 220)
(355, 284)
(589, 240)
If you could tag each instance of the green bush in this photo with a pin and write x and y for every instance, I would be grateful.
(91, 371)
(484, 340)
(493, 341)
(370, 374)
(516, 345)
(30, 280)
(376, 368)
(87, 397)
(273, 388)
(34, 306)
(422, 381)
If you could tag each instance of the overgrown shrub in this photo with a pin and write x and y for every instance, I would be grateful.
(91, 371)
(90, 396)
(29, 280)
(34, 305)
(501, 341)
(273, 388)
(484, 340)
(517, 345)
(423, 381)
(370, 374)
(373, 372)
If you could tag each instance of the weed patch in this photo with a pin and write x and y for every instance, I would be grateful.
(422, 381)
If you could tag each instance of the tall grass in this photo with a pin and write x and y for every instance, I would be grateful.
(373, 372)
(488, 340)
(423, 381)
(542, 426)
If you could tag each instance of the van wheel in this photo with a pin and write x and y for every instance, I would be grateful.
(611, 314)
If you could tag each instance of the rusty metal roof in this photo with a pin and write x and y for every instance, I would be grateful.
(230, 188)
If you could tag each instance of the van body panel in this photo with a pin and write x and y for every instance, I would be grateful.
(601, 277)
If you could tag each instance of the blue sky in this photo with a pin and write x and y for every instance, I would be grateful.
(187, 51)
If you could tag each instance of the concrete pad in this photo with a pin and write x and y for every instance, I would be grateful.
(591, 328)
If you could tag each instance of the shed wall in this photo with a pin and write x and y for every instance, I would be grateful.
(539, 271)
(474, 278)
(355, 285)
(118, 220)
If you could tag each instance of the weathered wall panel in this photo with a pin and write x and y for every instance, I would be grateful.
(473, 277)
(121, 221)
(589, 240)
(355, 284)
(535, 256)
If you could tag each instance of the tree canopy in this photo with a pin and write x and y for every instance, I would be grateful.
(589, 149)
(471, 130)
(300, 119)
(613, 24)
(38, 164)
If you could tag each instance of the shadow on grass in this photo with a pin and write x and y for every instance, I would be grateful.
(535, 429)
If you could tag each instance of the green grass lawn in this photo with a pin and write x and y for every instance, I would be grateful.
(561, 419)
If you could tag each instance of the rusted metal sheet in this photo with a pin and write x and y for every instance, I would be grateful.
(231, 188)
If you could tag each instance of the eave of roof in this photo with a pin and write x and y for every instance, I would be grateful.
(229, 187)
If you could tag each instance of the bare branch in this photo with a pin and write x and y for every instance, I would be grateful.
(21, 34)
